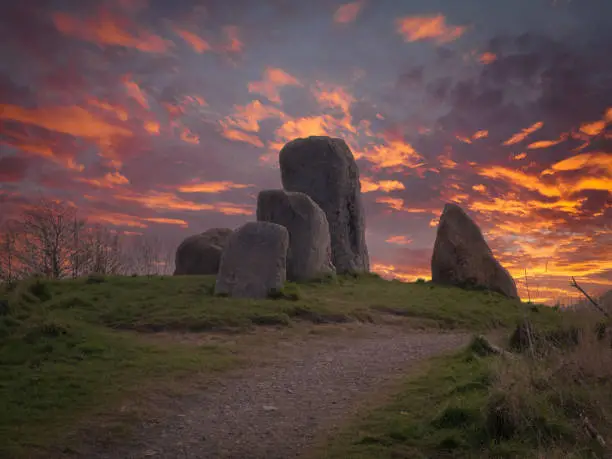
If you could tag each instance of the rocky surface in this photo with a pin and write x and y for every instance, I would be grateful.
(309, 255)
(201, 253)
(324, 168)
(253, 263)
(462, 257)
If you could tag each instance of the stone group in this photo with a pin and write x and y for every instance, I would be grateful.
(314, 227)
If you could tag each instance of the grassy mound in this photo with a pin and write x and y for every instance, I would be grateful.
(70, 348)
(553, 400)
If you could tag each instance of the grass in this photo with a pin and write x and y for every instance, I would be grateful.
(186, 303)
(473, 405)
(69, 349)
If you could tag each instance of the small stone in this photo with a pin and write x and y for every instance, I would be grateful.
(270, 408)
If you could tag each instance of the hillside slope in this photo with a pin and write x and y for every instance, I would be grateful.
(70, 350)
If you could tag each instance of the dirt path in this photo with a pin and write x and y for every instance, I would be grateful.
(278, 410)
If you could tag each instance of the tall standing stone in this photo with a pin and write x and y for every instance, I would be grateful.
(324, 168)
(309, 254)
(462, 257)
(253, 263)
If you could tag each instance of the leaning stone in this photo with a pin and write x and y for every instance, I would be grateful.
(462, 257)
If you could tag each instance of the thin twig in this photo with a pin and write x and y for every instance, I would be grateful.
(593, 302)
(592, 431)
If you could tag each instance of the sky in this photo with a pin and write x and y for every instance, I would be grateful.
(167, 117)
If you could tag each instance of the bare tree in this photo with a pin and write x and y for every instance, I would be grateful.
(51, 240)
(9, 264)
(148, 255)
(103, 250)
(49, 229)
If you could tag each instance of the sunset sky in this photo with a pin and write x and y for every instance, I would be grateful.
(167, 117)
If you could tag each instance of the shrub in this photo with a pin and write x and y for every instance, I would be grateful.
(40, 289)
(95, 279)
(290, 291)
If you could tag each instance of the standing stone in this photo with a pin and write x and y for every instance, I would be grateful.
(309, 254)
(462, 257)
(201, 253)
(253, 263)
(324, 169)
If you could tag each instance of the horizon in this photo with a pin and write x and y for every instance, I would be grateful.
(169, 121)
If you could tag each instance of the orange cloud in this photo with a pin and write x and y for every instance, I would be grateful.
(368, 185)
(274, 79)
(522, 179)
(135, 92)
(337, 98)
(520, 136)
(348, 12)
(446, 162)
(118, 219)
(211, 187)
(393, 203)
(168, 201)
(480, 134)
(416, 28)
(303, 127)
(37, 148)
(399, 240)
(189, 137)
(601, 161)
(119, 112)
(561, 188)
(110, 180)
(233, 44)
(547, 143)
(199, 45)
(398, 204)
(477, 135)
(168, 221)
(390, 271)
(481, 188)
(594, 128)
(71, 120)
(597, 127)
(240, 136)
(487, 58)
(394, 154)
(106, 29)
(152, 127)
(249, 116)
(525, 208)
(520, 156)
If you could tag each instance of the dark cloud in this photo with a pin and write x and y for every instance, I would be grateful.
(13, 169)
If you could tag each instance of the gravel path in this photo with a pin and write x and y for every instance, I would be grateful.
(277, 411)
